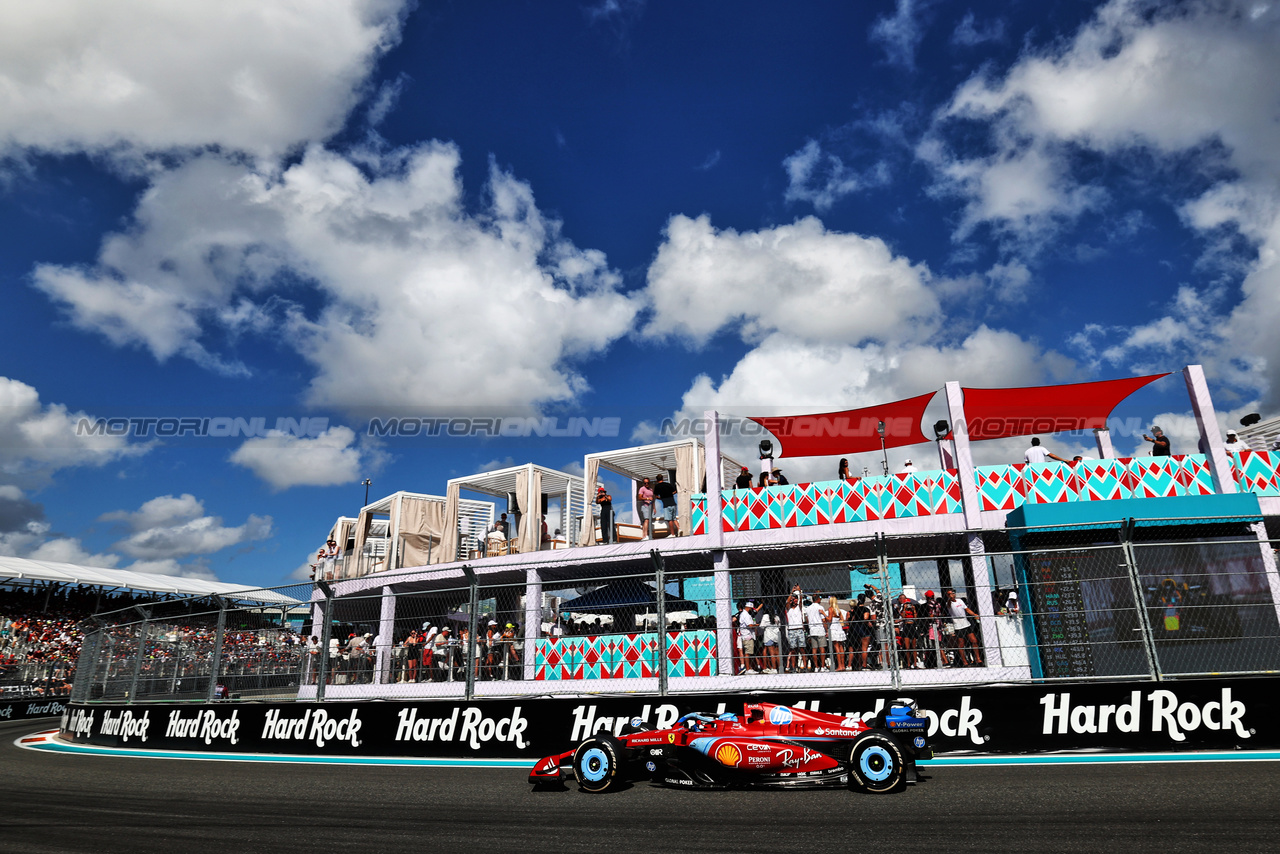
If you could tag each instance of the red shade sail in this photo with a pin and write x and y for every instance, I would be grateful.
(998, 413)
(852, 431)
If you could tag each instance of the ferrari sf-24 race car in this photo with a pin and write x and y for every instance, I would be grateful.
(768, 746)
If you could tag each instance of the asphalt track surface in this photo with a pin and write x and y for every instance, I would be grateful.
(56, 802)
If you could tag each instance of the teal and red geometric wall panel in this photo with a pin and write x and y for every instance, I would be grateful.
(1000, 488)
(833, 502)
(698, 517)
(633, 656)
(1256, 471)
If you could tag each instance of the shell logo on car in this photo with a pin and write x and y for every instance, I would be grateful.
(729, 754)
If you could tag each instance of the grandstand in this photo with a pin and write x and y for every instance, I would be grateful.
(46, 609)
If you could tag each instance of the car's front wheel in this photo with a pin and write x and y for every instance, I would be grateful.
(876, 764)
(596, 763)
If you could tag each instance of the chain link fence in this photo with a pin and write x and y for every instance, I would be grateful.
(1072, 603)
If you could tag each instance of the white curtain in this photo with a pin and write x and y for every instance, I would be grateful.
(686, 484)
(356, 564)
(587, 536)
(448, 551)
(421, 530)
(529, 494)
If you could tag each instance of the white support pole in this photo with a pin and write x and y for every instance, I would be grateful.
(532, 619)
(1102, 436)
(588, 503)
(964, 459)
(1268, 563)
(1224, 482)
(386, 637)
(946, 458)
(724, 612)
(986, 612)
(715, 512)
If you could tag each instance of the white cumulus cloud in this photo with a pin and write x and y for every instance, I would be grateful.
(284, 460)
(253, 75)
(1188, 84)
(421, 298)
(799, 278)
(38, 439)
(170, 527)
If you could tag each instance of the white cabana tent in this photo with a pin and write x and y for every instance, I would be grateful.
(411, 534)
(527, 489)
(16, 569)
(686, 456)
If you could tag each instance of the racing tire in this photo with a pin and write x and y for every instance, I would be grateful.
(876, 764)
(597, 763)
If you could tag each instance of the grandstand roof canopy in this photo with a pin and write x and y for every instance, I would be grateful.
(22, 569)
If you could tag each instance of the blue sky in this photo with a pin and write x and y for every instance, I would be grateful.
(604, 208)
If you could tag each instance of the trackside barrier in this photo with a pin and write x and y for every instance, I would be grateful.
(1218, 714)
(36, 707)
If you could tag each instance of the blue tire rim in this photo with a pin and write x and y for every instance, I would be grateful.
(876, 764)
(594, 765)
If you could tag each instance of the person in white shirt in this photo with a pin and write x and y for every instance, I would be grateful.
(1038, 453)
(836, 627)
(965, 634)
(1235, 444)
(795, 634)
(771, 637)
(747, 638)
(816, 616)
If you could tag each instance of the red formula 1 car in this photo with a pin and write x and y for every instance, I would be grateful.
(768, 746)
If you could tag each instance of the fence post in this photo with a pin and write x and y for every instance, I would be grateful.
(891, 642)
(90, 652)
(472, 617)
(992, 655)
(386, 637)
(532, 621)
(326, 631)
(106, 671)
(137, 661)
(660, 574)
(1135, 583)
(724, 613)
(215, 663)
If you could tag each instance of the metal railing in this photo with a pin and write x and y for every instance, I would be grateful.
(1071, 603)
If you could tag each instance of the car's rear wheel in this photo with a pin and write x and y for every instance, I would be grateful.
(596, 763)
(876, 764)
